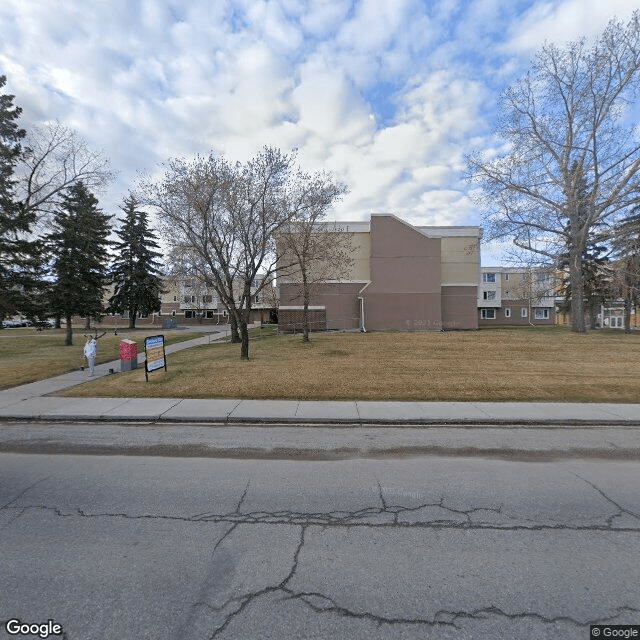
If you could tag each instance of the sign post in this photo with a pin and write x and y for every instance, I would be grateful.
(154, 355)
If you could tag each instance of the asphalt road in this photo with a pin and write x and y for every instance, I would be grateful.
(423, 547)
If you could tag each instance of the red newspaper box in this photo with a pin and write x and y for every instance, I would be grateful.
(128, 355)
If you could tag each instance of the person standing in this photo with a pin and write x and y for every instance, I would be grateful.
(91, 351)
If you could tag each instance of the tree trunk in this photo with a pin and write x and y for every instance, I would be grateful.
(87, 324)
(244, 333)
(235, 336)
(305, 308)
(627, 313)
(593, 314)
(578, 324)
(245, 317)
(132, 319)
(68, 341)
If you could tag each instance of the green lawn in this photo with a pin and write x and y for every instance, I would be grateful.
(528, 364)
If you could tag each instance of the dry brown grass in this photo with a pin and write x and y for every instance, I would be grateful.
(27, 355)
(549, 364)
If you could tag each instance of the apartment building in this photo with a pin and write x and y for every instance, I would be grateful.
(403, 277)
(188, 302)
(516, 296)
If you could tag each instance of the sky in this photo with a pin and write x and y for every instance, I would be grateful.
(388, 95)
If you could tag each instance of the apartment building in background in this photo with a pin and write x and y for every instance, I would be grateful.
(188, 302)
(516, 297)
(403, 277)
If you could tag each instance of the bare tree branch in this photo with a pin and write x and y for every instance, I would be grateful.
(574, 161)
(54, 158)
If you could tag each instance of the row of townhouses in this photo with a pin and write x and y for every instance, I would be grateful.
(401, 277)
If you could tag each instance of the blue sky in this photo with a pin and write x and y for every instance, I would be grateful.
(390, 96)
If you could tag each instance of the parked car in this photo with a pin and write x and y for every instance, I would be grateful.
(10, 324)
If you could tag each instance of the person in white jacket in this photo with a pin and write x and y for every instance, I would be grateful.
(91, 350)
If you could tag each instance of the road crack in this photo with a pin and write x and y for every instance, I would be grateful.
(368, 517)
(621, 510)
(240, 603)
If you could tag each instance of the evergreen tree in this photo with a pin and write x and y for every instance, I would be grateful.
(136, 271)
(594, 257)
(596, 279)
(626, 250)
(78, 247)
(20, 257)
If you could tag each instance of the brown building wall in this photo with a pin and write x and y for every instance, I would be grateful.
(459, 308)
(292, 320)
(516, 319)
(390, 311)
(405, 291)
(155, 320)
(340, 300)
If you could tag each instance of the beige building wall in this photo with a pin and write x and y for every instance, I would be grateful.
(402, 278)
(360, 270)
(460, 260)
(357, 271)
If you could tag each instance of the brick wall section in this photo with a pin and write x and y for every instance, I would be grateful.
(291, 320)
(340, 301)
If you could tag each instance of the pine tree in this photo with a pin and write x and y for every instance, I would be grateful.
(78, 247)
(20, 257)
(136, 271)
(626, 251)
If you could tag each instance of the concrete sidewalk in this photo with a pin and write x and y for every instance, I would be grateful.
(229, 411)
(34, 402)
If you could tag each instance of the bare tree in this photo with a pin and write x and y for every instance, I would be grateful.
(573, 158)
(221, 219)
(318, 251)
(53, 159)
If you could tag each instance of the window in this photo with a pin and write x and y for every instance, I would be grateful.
(209, 315)
(489, 295)
(193, 298)
(488, 314)
(488, 277)
(175, 298)
(506, 276)
(207, 299)
(189, 313)
(524, 313)
(507, 313)
(173, 314)
(541, 314)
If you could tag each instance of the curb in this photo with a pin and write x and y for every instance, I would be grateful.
(311, 454)
(464, 423)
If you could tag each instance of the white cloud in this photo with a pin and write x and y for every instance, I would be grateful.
(388, 95)
(561, 22)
